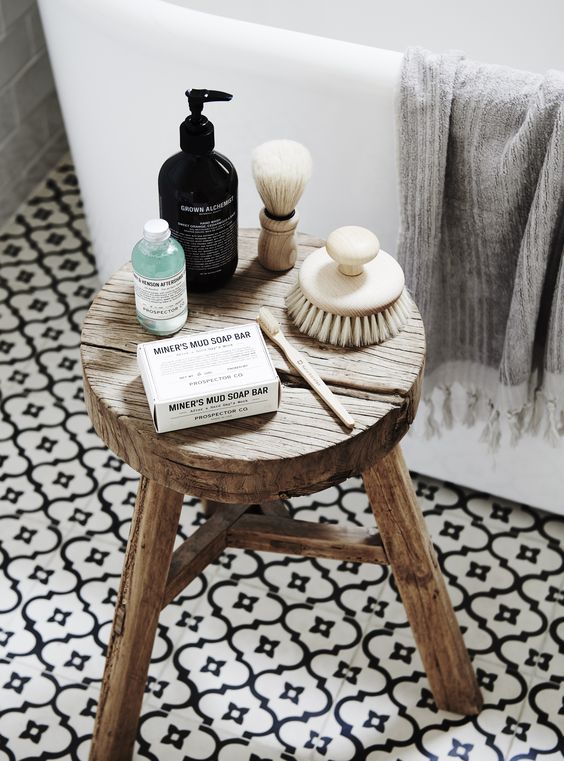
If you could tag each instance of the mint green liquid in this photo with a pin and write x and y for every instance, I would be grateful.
(160, 285)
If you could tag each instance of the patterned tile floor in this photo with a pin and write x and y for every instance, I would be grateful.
(263, 657)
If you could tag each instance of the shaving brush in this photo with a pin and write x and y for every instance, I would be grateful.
(281, 169)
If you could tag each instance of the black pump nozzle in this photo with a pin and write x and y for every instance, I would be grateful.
(196, 132)
(197, 98)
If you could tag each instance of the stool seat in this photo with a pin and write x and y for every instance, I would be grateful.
(259, 461)
(298, 450)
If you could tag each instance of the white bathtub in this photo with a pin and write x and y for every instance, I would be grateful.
(122, 66)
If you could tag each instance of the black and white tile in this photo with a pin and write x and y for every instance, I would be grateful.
(263, 657)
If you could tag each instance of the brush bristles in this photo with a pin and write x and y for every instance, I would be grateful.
(347, 331)
(281, 169)
(268, 322)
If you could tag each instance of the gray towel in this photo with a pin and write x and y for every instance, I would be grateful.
(481, 163)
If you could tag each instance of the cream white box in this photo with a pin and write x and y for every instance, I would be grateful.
(199, 378)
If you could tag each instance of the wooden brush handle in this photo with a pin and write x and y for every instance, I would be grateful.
(307, 372)
(277, 243)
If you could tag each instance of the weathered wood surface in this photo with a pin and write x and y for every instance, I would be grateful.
(295, 537)
(145, 569)
(271, 530)
(200, 549)
(421, 585)
(277, 507)
(299, 449)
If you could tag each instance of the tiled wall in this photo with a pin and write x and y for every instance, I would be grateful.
(32, 134)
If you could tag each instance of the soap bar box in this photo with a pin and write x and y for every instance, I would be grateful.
(200, 378)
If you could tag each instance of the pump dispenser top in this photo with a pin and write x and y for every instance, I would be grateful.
(196, 131)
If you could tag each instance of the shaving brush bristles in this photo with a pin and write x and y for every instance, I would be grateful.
(281, 169)
(348, 331)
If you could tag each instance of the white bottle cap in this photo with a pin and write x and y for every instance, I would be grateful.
(156, 230)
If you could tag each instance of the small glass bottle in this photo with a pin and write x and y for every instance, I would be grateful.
(159, 276)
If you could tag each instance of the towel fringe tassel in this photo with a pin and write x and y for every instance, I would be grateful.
(515, 420)
(491, 435)
(551, 433)
(431, 425)
(541, 416)
(538, 412)
(448, 418)
(472, 399)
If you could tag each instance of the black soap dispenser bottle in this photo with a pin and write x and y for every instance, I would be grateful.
(198, 199)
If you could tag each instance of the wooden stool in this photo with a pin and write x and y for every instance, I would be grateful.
(260, 460)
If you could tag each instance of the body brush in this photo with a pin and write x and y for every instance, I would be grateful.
(281, 169)
(350, 293)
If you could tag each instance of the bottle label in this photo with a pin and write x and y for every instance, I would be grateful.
(208, 233)
(162, 299)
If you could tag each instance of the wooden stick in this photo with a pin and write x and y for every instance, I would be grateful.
(200, 549)
(151, 539)
(421, 585)
(294, 537)
(276, 507)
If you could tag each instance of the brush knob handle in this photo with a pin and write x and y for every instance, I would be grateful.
(352, 247)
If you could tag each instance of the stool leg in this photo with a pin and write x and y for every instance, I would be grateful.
(421, 585)
(139, 602)
(209, 507)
